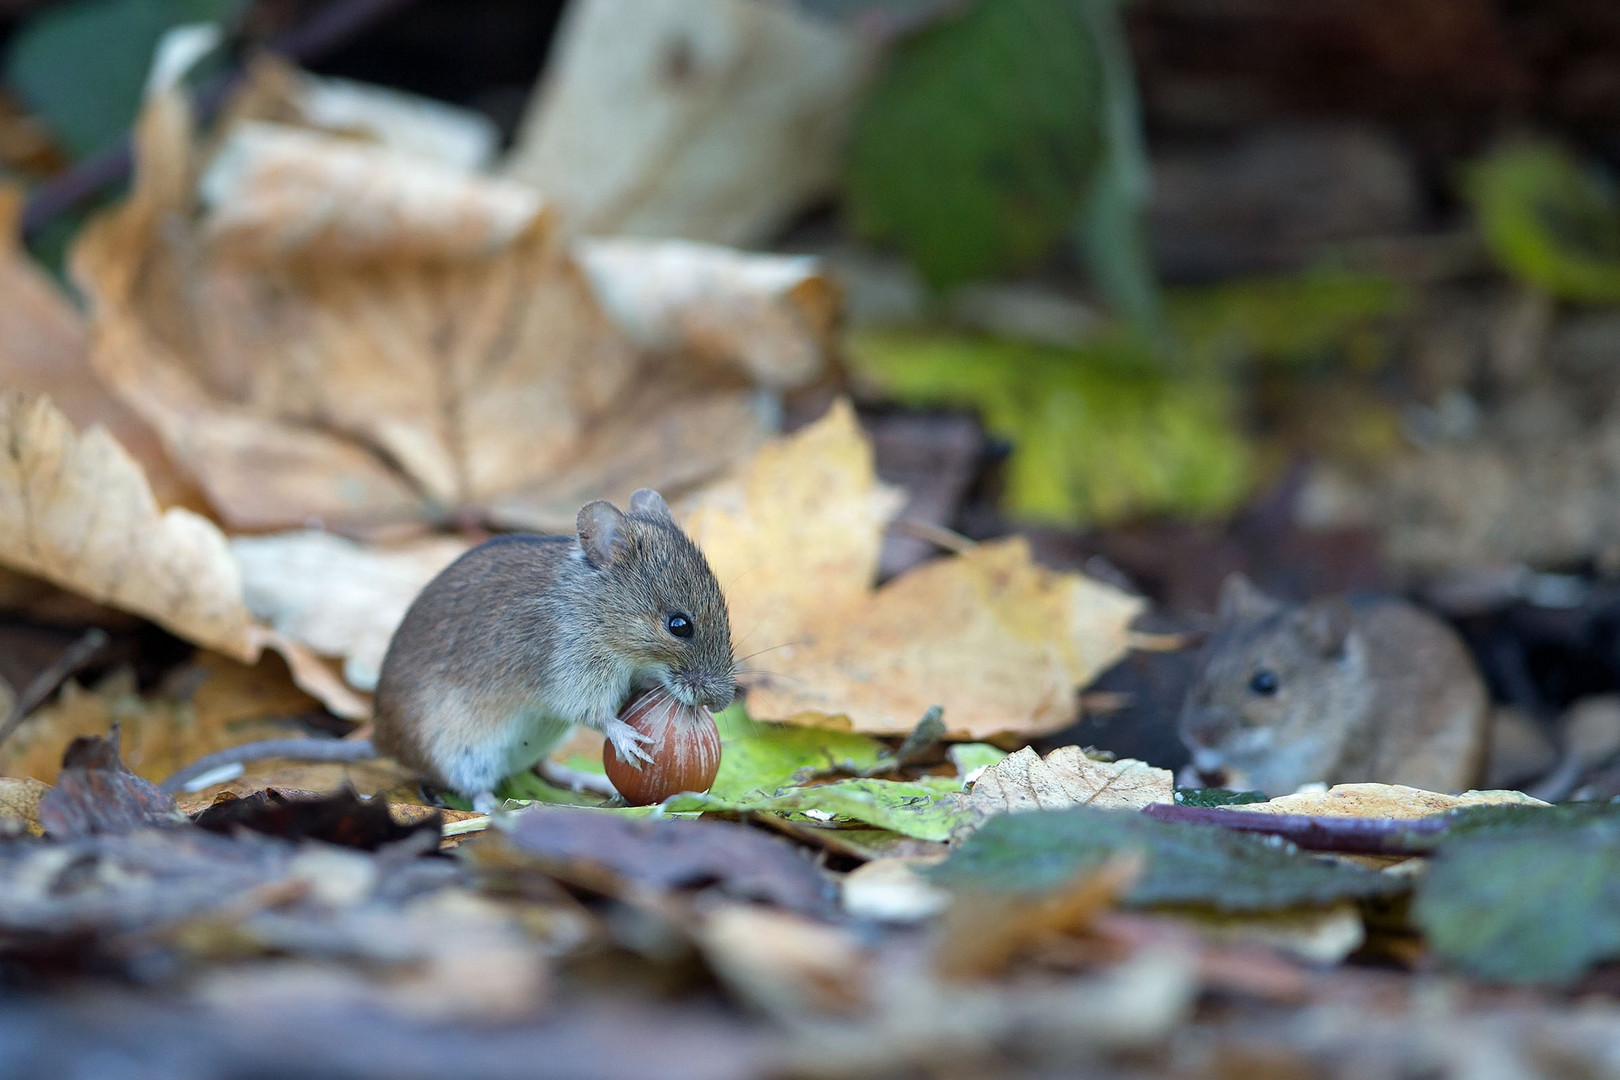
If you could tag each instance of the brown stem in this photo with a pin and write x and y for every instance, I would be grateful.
(45, 684)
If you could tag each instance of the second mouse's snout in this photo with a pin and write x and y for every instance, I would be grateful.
(1207, 726)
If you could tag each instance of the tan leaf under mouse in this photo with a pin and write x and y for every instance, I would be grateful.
(1336, 691)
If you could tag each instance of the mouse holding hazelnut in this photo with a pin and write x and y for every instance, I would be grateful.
(523, 637)
(1336, 691)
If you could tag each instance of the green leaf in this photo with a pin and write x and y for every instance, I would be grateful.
(1101, 433)
(1531, 905)
(968, 757)
(1183, 864)
(760, 757)
(974, 150)
(1549, 222)
(1216, 797)
(82, 66)
(911, 808)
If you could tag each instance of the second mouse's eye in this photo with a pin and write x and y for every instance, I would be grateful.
(1264, 682)
(679, 625)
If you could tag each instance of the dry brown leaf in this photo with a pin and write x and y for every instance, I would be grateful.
(19, 804)
(447, 135)
(337, 331)
(76, 510)
(984, 932)
(1381, 801)
(213, 703)
(797, 533)
(771, 318)
(368, 778)
(319, 677)
(1323, 935)
(1067, 777)
(998, 641)
(784, 963)
(45, 351)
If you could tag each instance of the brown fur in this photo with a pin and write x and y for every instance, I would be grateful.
(1379, 691)
(524, 636)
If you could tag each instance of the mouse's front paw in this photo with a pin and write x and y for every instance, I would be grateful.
(627, 742)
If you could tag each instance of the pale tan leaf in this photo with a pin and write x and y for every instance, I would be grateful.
(796, 533)
(45, 351)
(1320, 935)
(19, 804)
(998, 641)
(770, 317)
(351, 200)
(76, 510)
(892, 890)
(1067, 777)
(1382, 801)
(338, 597)
(711, 119)
(665, 435)
(447, 135)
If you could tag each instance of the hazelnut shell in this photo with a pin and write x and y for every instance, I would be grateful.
(685, 749)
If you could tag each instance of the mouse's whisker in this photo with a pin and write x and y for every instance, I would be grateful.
(772, 648)
(767, 673)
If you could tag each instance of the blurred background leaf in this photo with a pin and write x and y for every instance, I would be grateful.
(1101, 433)
(974, 151)
(1113, 232)
(1549, 221)
(81, 66)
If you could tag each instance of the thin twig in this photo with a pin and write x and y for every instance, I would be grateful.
(327, 31)
(938, 535)
(45, 684)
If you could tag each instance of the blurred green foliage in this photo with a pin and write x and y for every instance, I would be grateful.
(1101, 433)
(974, 151)
(81, 66)
(1549, 221)
(1534, 904)
(1183, 865)
(1289, 320)
(1114, 429)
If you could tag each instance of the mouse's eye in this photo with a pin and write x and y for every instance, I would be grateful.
(1264, 682)
(679, 625)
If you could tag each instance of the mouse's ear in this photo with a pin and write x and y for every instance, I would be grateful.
(1241, 600)
(649, 502)
(601, 532)
(1327, 624)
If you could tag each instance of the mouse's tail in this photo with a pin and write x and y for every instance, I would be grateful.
(227, 764)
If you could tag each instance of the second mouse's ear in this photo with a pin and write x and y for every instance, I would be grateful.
(649, 502)
(601, 532)
(1241, 600)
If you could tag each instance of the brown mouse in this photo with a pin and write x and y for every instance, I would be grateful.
(525, 636)
(1335, 691)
